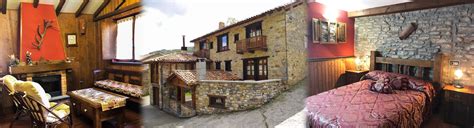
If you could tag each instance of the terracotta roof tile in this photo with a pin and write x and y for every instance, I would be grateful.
(190, 77)
(175, 58)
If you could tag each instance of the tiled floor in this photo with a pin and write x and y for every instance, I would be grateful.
(132, 120)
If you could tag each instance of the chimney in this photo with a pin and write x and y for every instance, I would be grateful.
(184, 48)
(221, 25)
(201, 68)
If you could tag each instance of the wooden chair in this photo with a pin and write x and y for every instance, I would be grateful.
(41, 115)
(19, 110)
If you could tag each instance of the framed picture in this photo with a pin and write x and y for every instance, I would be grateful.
(332, 32)
(341, 32)
(324, 31)
(316, 31)
(71, 40)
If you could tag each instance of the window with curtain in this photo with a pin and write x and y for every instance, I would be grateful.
(134, 37)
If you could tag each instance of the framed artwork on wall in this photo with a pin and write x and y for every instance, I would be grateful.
(316, 31)
(325, 32)
(71, 40)
(341, 32)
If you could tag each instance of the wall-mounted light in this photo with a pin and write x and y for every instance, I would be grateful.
(331, 14)
(457, 76)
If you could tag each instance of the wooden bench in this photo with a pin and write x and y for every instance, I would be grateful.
(125, 76)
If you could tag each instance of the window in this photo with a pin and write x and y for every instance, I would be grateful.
(222, 43)
(253, 30)
(133, 37)
(228, 66)
(202, 45)
(211, 45)
(236, 38)
(256, 68)
(218, 65)
(216, 101)
(175, 93)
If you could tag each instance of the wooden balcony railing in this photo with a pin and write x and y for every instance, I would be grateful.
(203, 53)
(252, 44)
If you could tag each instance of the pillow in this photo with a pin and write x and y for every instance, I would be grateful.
(34, 90)
(399, 83)
(382, 86)
(9, 81)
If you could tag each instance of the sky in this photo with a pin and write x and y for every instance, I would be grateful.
(168, 20)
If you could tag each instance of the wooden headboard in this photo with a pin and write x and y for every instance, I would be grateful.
(425, 69)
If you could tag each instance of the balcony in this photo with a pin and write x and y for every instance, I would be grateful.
(203, 53)
(252, 44)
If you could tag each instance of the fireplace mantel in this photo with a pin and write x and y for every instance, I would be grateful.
(16, 70)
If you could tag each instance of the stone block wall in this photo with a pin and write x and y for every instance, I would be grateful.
(447, 30)
(240, 95)
(296, 36)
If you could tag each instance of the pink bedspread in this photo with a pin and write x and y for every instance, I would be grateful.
(355, 105)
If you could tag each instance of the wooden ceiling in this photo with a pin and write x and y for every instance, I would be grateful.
(404, 7)
(101, 9)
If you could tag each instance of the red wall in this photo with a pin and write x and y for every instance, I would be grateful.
(316, 10)
(30, 18)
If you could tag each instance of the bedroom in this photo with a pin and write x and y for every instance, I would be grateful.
(428, 40)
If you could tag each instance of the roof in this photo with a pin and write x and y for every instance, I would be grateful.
(190, 77)
(182, 57)
(290, 5)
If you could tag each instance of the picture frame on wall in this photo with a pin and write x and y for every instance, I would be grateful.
(71, 40)
(325, 32)
(316, 31)
(341, 32)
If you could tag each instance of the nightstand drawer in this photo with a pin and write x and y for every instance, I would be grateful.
(457, 96)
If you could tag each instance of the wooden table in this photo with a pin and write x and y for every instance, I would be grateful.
(98, 110)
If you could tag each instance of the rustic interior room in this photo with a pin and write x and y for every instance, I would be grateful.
(63, 62)
(402, 64)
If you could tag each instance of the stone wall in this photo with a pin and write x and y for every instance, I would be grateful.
(296, 36)
(285, 31)
(240, 95)
(449, 30)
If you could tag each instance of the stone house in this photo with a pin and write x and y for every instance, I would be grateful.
(270, 45)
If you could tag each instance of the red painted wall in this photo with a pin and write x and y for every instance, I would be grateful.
(316, 10)
(30, 18)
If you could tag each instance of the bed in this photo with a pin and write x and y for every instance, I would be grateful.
(354, 105)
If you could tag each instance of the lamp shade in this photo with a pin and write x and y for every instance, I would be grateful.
(458, 73)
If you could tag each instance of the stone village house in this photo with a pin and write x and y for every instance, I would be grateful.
(242, 66)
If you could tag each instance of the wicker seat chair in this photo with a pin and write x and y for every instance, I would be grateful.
(19, 110)
(40, 114)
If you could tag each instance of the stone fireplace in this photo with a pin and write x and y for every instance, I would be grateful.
(54, 83)
(52, 77)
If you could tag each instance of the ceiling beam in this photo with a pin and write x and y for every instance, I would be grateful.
(60, 6)
(81, 8)
(4, 6)
(404, 7)
(101, 8)
(35, 3)
(116, 12)
(120, 5)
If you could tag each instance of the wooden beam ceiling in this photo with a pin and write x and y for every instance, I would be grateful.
(116, 12)
(101, 8)
(120, 5)
(404, 7)
(4, 7)
(60, 6)
(81, 8)
(35, 3)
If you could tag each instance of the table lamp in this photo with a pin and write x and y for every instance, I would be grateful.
(358, 63)
(457, 76)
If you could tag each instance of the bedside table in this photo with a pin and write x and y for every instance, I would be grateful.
(459, 105)
(353, 76)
